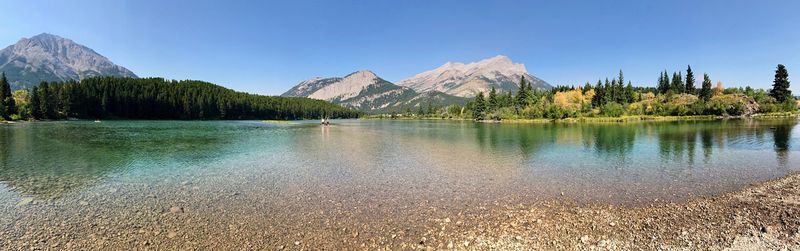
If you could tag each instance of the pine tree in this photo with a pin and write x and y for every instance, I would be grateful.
(480, 107)
(608, 97)
(45, 106)
(663, 83)
(7, 104)
(705, 91)
(614, 90)
(508, 100)
(522, 94)
(35, 103)
(629, 93)
(599, 93)
(620, 92)
(690, 89)
(621, 88)
(677, 83)
(531, 92)
(780, 87)
(493, 104)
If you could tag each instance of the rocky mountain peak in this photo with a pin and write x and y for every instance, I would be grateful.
(466, 80)
(48, 57)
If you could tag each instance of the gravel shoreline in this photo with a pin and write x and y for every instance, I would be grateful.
(761, 216)
(758, 217)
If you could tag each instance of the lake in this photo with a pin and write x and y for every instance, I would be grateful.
(281, 179)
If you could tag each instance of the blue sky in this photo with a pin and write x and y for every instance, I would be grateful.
(267, 47)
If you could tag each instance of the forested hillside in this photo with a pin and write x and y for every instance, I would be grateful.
(156, 98)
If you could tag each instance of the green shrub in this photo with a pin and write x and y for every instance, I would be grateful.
(613, 109)
(790, 105)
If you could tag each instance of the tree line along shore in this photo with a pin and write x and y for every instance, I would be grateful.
(675, 97)
(154, 98)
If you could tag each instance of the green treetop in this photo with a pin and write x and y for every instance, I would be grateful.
(690, 89)
(493, 103)
(780, 87)
(522, 94)
(677, 83)
(480, 107)
(7, 104)
(705, 91)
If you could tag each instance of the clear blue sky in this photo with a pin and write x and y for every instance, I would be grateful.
(268, 47)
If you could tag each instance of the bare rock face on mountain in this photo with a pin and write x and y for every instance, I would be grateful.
(466, 80)
(452, 83)
(366, 91)
(47, 57)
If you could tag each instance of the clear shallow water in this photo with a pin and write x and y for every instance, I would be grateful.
(386, 164)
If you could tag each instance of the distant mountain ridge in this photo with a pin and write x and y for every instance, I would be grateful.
(452, 83)
(366, 91)
(47, 57)
(466, 80)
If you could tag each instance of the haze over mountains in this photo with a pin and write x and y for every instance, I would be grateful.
(47, 57)
(451, 83)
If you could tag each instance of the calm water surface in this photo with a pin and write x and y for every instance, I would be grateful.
(384, 165)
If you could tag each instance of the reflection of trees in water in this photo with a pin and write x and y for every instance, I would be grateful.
(51, 159)
(607, 140)
(781, 135)
(612, 140)
(678, 140)
(707, 141)
(528, 139)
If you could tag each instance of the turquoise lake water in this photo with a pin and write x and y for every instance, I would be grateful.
(251, 183)
(409, 160)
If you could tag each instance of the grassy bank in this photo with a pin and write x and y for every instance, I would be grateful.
(620, 119)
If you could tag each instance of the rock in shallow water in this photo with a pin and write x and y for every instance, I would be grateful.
(24, 201)
(176, 210)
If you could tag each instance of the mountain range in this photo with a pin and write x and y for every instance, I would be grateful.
(451, 83)
(47, 57)
(466, 80)
(366, 91)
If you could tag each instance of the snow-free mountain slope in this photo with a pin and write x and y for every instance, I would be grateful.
(366, 91)
(47, 57)
(466, 80)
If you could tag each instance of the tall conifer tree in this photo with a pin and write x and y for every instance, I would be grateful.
(780, 86)
(705, 91)
(690, 89)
